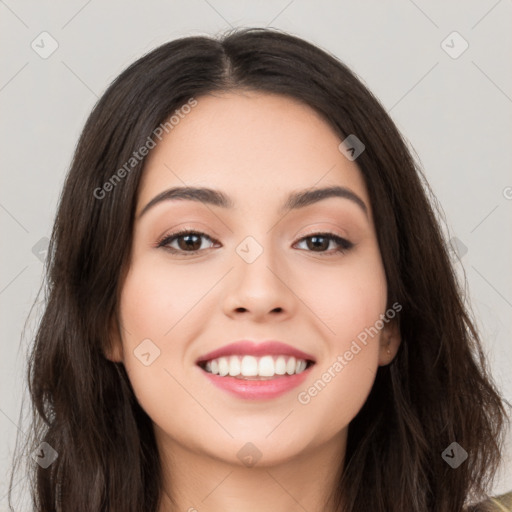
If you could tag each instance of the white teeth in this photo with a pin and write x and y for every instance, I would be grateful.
(280, 365)
(290, 366)
(223, 366)
(234, 366)
(266, 367)
(250, 366)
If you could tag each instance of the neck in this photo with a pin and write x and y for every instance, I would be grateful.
(196, 482)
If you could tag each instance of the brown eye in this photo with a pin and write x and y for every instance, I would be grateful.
(187, 241)
(320, 242)
(190, 242)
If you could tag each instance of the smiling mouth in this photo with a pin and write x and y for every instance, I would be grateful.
(246, 367)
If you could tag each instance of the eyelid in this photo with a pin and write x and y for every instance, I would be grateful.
(185, 228)
(319, 231)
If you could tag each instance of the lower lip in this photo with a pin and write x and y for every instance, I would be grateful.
(258, 389)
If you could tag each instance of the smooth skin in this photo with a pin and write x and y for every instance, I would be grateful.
(256, 148)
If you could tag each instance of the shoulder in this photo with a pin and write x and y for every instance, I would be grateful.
(499, 504)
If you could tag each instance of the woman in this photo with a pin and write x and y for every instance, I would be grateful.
(250, 302)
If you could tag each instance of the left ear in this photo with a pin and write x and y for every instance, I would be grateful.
(390, 340)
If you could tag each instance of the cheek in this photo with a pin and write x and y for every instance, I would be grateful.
(157, 296)
(335, 396)
(350, 303)
(348, 299)
(159, 309)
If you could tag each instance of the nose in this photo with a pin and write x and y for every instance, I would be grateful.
(260, 290)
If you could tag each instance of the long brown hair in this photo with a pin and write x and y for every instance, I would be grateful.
(436, 392)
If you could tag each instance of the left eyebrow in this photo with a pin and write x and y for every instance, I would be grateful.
(296, 200)
(304, 198)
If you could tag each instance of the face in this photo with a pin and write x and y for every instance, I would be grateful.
(261, 267)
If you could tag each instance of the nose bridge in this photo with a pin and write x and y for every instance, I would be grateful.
(256, 260)
(259, 286)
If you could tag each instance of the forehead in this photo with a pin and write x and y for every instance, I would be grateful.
(254, 146)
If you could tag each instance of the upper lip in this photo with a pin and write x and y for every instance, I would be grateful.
(251, 348)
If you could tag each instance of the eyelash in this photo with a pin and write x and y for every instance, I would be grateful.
(344, 245)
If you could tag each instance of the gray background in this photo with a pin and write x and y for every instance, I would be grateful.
(455, 112)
